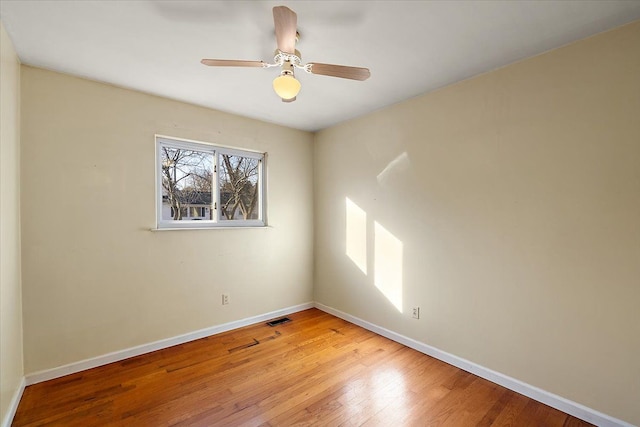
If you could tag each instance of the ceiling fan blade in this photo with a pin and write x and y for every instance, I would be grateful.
(286, 22)
(342, 71)
(289, 100)
(231, 63)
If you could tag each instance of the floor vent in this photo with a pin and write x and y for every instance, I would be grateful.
(279, 321)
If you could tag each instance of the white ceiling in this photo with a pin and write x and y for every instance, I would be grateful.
(411, 47)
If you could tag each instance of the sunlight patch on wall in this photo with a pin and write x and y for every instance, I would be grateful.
(395, 168)
(356, 235)
(388, 265)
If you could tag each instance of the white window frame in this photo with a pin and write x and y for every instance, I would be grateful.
(216, 151)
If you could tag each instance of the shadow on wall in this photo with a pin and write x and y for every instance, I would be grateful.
(387, 253)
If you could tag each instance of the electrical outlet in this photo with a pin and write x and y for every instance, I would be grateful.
(225, 299)
(415, 313)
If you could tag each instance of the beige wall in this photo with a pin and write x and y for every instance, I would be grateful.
(10, 288)
(512, 202)
(95, 279)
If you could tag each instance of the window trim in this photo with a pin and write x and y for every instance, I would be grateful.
(216, 150)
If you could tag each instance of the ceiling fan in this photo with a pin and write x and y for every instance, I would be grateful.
(288, 59)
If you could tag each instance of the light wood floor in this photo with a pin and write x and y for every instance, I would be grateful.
(315, 370)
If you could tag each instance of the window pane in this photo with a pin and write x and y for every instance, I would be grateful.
(186, 182)
(239, 187)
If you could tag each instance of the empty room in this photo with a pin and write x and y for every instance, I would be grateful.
(328, 213)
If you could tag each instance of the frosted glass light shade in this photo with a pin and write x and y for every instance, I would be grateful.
(286, 86)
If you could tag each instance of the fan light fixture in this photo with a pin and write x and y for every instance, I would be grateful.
(286, 86)
(288, 58)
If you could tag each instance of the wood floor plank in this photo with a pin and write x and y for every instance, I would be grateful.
(307, 411)
(316, 370)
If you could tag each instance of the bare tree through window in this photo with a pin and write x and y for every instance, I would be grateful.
(238, 180)
(186, 179)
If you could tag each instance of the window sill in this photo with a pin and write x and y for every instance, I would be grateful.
(253, 227)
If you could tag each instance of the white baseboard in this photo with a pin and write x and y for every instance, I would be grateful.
(117, 356)
(550, 399)
(13, 405)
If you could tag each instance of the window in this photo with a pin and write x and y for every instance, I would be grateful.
(203, 185)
